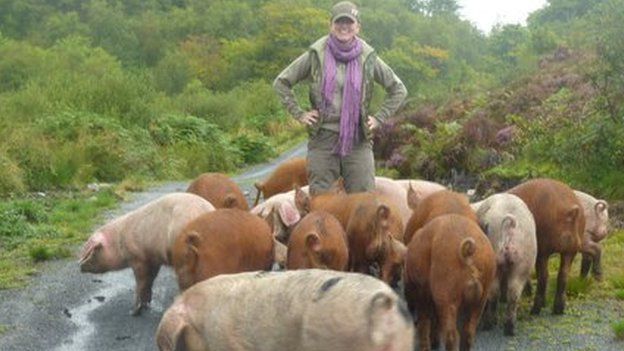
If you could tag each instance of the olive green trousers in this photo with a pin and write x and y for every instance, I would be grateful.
(325, 167)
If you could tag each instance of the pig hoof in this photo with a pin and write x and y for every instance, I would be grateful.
(509, 329)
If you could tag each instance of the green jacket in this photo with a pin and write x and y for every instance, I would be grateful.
(310, 66)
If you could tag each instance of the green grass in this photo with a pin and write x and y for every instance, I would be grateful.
(618, 329)
(38, 228)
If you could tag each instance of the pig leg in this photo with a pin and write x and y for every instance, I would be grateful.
(514, 291)
(597, 264)
(541, 267)
(448, 325)
(423, 327)
(469, 329)
(562, 281)
(144, 274)
(586, 263)
(592, 254)
(489, 315)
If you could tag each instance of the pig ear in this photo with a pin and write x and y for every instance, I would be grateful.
(572, 213)
(192, 242)
(171, 335)
(302, 200)
(230, 201)
(380, 316)
(413, 197)
(289, 215)
(601, 205)
(90, 250)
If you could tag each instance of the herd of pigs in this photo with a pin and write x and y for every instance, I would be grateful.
(339, 271)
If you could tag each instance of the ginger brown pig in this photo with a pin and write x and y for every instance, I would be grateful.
(219, 242)
(449, 268)
(436, 204)
(559, 225)
(219, 190)
(284, 178)
(318, 241)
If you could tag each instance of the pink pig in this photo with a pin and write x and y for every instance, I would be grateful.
(142, 240)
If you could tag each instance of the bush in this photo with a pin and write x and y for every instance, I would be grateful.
(254, 147)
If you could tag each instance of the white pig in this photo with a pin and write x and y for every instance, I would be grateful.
(509, 224)
(596, 229)
(142, 239)
(301, 310)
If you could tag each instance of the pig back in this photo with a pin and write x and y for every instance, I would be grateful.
(558, 215)
(436, 258)
(439, 203)
(318, 241)
(285, 176)
(219, 242)
(300, 310)
(219, 190)
(148, 233)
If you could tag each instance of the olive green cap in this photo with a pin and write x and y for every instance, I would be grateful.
(345, 9)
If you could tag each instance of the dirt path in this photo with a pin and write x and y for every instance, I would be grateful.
(63, 309)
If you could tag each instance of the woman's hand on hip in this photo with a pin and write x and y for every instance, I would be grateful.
(309, 118)
(372, 123)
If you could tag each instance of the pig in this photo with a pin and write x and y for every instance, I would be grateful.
(508, 223)
(373, 227)
(436, 204)
(227, 240)
(281, 213)
(219, 190)
(596, 229)
(449, 269)
(303, 310)
(559, 226)
(318, 241)
(284, 178)
(143, 240)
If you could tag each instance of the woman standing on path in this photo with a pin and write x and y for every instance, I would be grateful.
(342, 68)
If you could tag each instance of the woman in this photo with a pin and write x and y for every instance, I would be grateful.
(342, 68)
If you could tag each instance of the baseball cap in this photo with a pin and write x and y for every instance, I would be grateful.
(345, 9)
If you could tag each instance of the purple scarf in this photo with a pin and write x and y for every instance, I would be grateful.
(352, 92)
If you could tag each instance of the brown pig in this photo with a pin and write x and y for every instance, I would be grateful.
(373, 227)
(303, 310)
(449, 268)
(596, 229)
(508, 223)
(436, 204)
(284, 178)
(559, 225)
(219, 190)
(318, 241)
(219, 242)
(142, 239)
